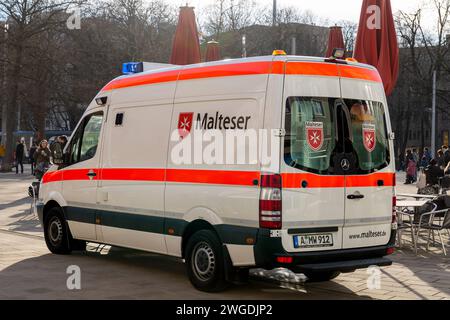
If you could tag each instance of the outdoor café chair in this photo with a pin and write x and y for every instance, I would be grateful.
(434, 221)
(405, 221)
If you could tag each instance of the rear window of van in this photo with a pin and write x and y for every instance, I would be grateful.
(319, 129)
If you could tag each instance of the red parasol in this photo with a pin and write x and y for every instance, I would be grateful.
(186, 46)
(212, 51)
(335, 40)
(376, 42)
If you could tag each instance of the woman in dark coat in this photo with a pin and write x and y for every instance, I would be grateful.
(42, 158)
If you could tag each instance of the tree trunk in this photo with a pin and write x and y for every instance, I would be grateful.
(11, 109)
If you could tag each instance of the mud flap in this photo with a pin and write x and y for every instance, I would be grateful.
(232, 274)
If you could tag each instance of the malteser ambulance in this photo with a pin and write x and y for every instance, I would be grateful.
(322, 205)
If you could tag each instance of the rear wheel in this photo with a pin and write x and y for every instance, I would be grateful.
(322, 276)
(205, 262)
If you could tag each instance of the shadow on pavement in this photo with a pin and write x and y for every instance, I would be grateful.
(128, 274)
(15, 203)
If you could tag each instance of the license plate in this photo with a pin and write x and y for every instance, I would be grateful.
(313, 240)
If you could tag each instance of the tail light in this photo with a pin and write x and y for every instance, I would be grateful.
(270, 202)
(390, 250)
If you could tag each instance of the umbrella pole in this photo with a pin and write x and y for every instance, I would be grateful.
(433, 117)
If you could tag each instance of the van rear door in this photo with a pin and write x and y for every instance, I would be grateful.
(370, 181)
(313, 196)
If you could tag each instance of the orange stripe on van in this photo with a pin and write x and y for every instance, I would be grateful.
(140, 80)
(226, 70)
(239, 178)
(371, 180)
(295, 180)
(133, 174)
(53, 176)
(312, 69)
(247, 69)
(359, 73)
(218, 177)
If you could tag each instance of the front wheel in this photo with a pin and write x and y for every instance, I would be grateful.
(56, 232)
(205, 262)
(322, 276)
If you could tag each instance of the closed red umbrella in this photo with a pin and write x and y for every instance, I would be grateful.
(212, 51)
(376, 42)
(186, 45)
(335, 40)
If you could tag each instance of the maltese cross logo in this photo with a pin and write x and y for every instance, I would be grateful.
(369, 137)
(314, 134)
(185, 124)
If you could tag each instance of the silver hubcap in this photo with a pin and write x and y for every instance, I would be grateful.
(55, 231)
(203, 261)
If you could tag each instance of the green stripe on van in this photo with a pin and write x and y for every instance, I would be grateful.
(230, 234)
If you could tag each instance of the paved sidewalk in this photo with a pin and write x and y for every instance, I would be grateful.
(29, 271)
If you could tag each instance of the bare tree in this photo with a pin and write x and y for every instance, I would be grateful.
(28, 18)
(421, 53)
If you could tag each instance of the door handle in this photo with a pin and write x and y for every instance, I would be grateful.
(91, 174)
(355, 196)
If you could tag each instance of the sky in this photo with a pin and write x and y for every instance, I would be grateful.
(333, 10)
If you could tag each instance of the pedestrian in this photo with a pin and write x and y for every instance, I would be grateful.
(19, 155)
(427, 154)
(433, 172)
(424, 162)
(440, 159)
(410, 167)
(446, 152)
(42, 157)
(33, 149)
(417, 161)
(2, 153)
(411, 172)
(57, 149)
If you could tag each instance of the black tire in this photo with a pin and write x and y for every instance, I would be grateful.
(205, 262)
(56, 232)
(322, 276)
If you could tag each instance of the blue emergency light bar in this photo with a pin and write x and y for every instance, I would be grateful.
(132, 67)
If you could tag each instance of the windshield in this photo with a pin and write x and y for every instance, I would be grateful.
(320, 130)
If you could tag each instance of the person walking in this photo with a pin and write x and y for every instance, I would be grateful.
(42, 157)
(33, 149)
(410, 167)
(19, 155)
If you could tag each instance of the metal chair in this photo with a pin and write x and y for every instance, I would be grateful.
(429, 222)
(404, 225)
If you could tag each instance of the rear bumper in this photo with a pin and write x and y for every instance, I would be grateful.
(342, 266)
(267, 250)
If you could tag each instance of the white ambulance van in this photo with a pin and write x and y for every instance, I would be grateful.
(323, 204)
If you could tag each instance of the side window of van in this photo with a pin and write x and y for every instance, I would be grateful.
(85, 141)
